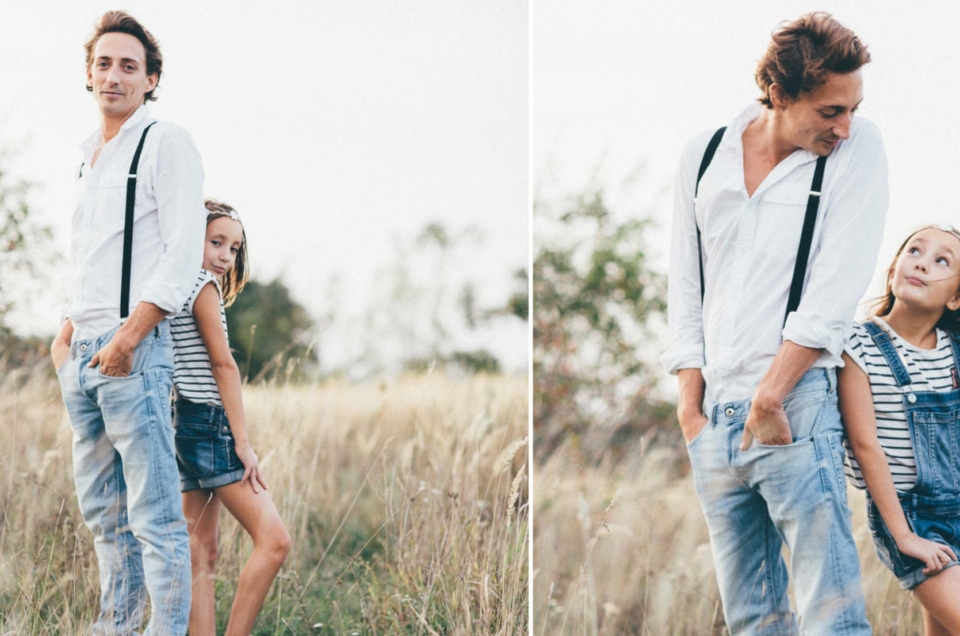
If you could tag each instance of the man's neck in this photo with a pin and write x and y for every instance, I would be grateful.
(110, 125)
(763, 148)
(764, 139)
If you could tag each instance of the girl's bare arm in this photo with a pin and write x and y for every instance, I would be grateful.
(206, 311)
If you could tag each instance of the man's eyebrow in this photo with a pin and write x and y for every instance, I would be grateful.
(839, 106)
(123, 60)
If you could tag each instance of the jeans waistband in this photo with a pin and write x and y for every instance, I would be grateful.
(824, 379)
(89, 346)
(210, 413)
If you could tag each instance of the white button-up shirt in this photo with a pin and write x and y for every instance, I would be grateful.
(168, 228)
(750, 246)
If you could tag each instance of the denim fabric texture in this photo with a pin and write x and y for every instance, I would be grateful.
(125, 471)
(206, 454)
(932, 506)
(755, 500)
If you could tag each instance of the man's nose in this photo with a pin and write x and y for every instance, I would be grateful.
(842, 126)
(113, 74)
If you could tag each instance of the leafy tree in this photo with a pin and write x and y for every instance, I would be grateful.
(26, 255)
(595, 299)
(25, 245)
(270, 332)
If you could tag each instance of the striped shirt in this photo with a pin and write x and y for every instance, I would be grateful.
(929, 369)
(192, 373)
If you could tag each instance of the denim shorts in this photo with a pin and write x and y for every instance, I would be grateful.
(937, 521)
(206, 455)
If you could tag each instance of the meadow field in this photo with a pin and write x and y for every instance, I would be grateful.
(621, 548)
(406, 501)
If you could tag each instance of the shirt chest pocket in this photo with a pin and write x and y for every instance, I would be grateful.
(111, 197)
(781, 215)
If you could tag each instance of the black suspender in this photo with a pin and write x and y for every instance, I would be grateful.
(128, 228)
(806, 238)
(806, 235)
(704, 164)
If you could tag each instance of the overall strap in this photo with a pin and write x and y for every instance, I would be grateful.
(889, 350)
(955, 371)
(806, 238)
(128, 228)
(704, 164)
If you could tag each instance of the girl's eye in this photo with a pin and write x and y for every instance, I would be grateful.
(913, 250)
(943, 261)
(233, 250)
(215, 243)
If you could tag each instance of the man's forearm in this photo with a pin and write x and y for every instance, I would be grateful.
(65, 335)
(691, 391)
(142, 320)
(789, 365)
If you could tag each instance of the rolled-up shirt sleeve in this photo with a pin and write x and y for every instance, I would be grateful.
(856, 202)
(182, 219)
(684, 304)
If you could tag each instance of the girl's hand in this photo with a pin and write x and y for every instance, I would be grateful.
(934, 555)
(251, 467)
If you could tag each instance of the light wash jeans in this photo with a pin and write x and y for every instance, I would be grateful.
(755, 500)
(125, 470)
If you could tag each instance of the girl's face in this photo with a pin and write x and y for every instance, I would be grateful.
(926, 275)
(224, 239)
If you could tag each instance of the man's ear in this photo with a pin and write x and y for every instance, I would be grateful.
(778, 97)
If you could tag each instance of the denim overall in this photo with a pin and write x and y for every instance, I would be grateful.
(932, 506)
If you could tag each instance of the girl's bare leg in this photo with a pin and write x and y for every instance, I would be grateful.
(940, 597)
(271, 543)
(203, 516)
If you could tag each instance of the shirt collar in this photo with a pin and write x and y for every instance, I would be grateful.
(90, 144)
(734, 135)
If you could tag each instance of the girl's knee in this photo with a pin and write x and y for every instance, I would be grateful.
(277, 543)
(203, 552)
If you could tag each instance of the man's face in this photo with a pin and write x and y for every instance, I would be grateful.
(118, 74)
(819, 120)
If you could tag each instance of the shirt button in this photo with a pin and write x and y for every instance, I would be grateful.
(226, 429)
(729, 412)
(83, 347)
(911, 398)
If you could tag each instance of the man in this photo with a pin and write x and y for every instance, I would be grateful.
(116, 371)
(758, 402)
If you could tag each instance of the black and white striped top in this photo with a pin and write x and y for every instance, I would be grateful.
(192, 374)
(929, 369)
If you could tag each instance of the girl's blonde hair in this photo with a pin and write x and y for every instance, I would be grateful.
(234, 280)
(950, 320)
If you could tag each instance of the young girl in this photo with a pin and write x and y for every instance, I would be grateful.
(217, 464)
(900, 400)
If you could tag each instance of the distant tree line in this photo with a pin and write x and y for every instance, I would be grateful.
(417, 316)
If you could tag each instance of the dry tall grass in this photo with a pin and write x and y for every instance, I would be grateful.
(406, 503)
(623, 549)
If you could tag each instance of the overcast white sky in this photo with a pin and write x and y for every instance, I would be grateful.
(624, 84)
(333, 127)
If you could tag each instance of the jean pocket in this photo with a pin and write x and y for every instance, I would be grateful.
(804, 412)
(196, 452)
(141, 358)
